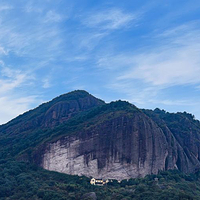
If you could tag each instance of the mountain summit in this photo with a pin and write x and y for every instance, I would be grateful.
(77, 133)
(54, 112)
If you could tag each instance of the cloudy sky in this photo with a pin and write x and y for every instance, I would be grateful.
(143, 51)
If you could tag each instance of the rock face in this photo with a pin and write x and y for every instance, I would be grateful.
(66, 109)
(79, 134)
(120, 148)
(183, 134)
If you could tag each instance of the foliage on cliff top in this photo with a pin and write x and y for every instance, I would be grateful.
(37, 113)
(180, 123)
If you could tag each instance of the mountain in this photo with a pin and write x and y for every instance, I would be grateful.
(79, 134)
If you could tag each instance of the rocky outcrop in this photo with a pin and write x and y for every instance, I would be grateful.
(52, 113)
(121, 148)
(64, 110)
(79, 134)
(183, 135)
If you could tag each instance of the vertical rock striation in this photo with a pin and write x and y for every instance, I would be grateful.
(120, 148)
(77, 133)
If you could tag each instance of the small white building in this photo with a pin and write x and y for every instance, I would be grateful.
(94, 181)
(101, 182)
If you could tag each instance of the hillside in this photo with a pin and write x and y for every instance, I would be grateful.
(79, 134)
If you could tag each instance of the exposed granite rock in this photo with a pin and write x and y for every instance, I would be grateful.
(64, 110)
(115, 140)
(183, 134)
(120, 148)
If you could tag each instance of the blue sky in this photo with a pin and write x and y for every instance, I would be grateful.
(146, 52)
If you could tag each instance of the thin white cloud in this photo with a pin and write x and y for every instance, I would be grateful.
(5, 7)
(10, 103)
(115, 62)
(89, 41)
(103, 23)
(3, 51)
(30, 40)
(52, 16)
(30, 8)
(11, 79)
(27, 44)
(176, 63)
(109, 19)
(12, 106)
(173, 61)
(181, 67)
(134, 92)
(46, 83)
(169, 102)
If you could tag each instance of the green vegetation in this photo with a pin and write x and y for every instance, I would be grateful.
(36, 115)
(13, 144)
(23, 181)
(177, 122)
(184, 126)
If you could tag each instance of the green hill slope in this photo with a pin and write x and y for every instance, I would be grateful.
(116, 131)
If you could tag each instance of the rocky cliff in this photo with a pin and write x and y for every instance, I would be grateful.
(120, 148)
(79, 134)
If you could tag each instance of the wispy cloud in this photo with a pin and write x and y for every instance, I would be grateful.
(171, 64)
(169, 102)
(12, 106)
(30, 7)
(46, 82)
(181, 67)
(30, 43)
(5, 7)
(89, 41)
(173, 61)
(40, 37)
(3, 51)
(100, 24)
(52, 16)
(110, 19)
(11, 79)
